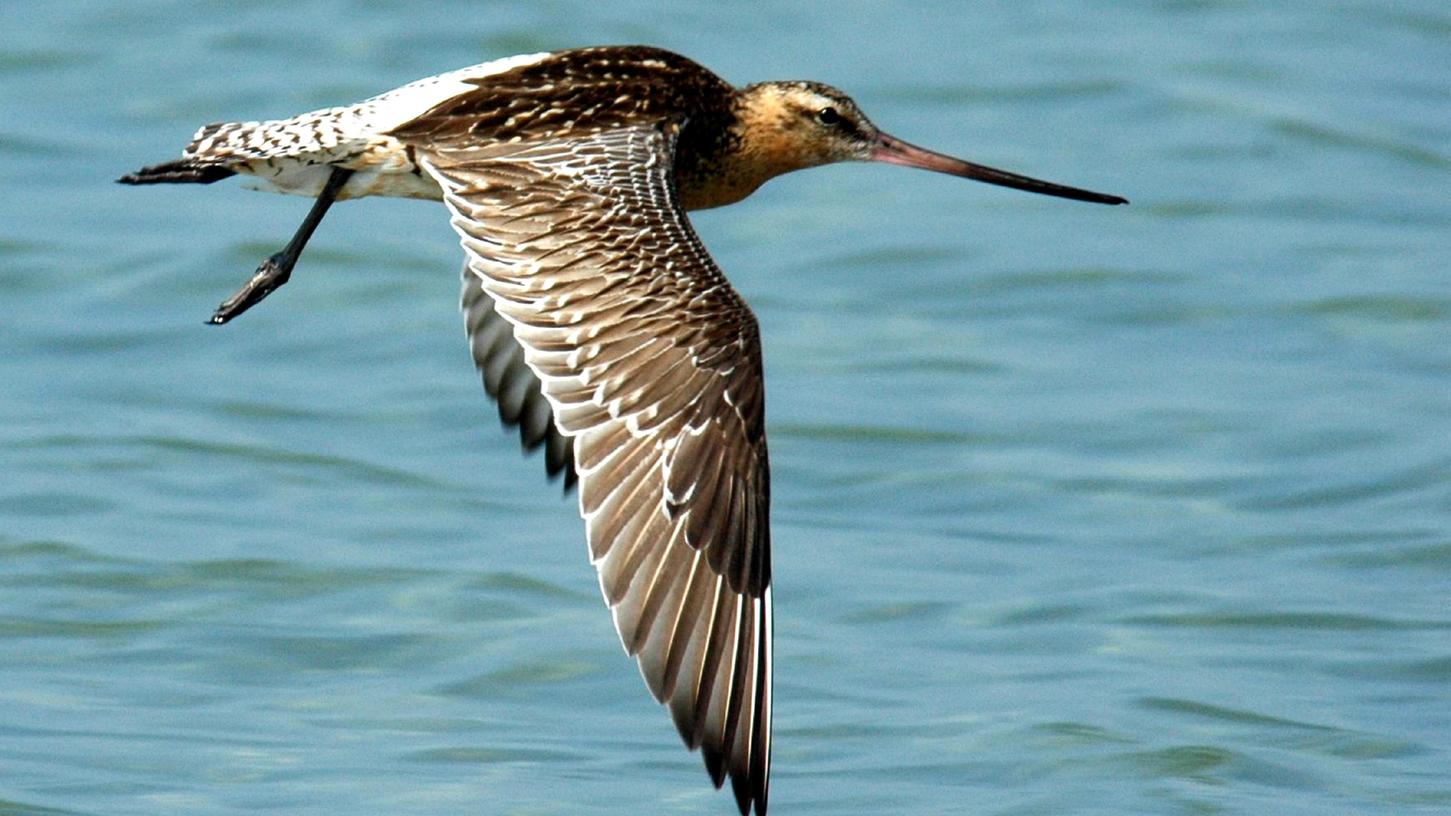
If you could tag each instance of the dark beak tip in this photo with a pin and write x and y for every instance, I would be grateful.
(892, 150)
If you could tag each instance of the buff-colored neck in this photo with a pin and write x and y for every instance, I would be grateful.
(766, 140)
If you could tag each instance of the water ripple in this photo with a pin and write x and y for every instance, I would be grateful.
(1305, 621)
(1315, 134)
(1215, 765)
(491, 756)
(516, 678)
(1413, 479)
(10, 807)
(12, 627)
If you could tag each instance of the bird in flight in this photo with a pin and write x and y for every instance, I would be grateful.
(599, 322)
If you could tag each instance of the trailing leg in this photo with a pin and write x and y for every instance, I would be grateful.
(276, 270)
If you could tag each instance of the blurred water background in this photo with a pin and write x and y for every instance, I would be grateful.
(1077, 509)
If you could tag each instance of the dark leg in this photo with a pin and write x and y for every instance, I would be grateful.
(277, 269)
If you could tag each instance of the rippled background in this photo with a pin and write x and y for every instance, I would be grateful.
(1077, 509)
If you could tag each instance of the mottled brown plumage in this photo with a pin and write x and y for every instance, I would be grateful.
(599, 322)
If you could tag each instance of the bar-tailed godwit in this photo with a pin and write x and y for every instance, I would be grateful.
(598, 320)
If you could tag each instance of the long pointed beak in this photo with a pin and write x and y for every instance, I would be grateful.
(892, 150)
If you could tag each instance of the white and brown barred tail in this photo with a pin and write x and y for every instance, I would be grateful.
(296, 155)
(181, 171)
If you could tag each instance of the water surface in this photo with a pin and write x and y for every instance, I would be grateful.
(1077, 509)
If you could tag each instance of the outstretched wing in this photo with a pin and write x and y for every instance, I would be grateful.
(651, 364)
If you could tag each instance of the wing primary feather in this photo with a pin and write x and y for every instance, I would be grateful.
(645, 600)
(677, 608)
(760, 770)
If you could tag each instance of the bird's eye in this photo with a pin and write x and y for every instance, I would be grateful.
(828, 116)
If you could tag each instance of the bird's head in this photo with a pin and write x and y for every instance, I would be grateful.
(786, 126)
(794, 125)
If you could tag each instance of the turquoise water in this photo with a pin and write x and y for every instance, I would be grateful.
(1077, 509)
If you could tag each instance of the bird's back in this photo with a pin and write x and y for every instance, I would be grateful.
(557, 95)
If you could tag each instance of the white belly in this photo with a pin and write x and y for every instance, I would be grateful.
(306, 178)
